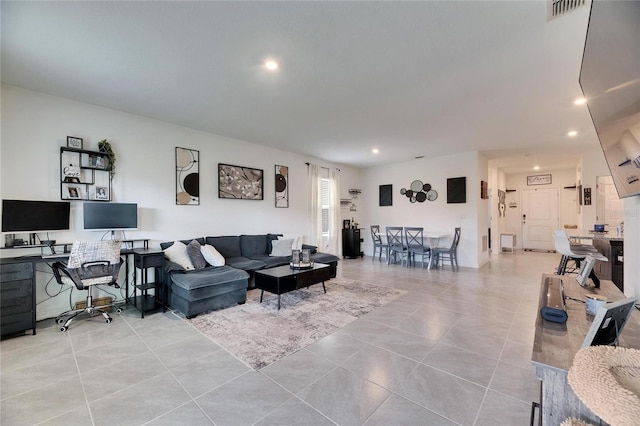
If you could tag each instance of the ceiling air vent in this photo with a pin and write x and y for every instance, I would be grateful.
(557, 8)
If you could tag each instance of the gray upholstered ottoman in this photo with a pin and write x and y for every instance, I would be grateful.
(195, 292)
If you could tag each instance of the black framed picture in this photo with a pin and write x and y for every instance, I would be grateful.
(74, 142)
(386, 195)
(241, 183)
(456, 190)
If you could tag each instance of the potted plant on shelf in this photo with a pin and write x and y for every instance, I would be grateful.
(104, 146)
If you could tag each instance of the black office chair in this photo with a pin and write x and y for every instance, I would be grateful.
(448, 253)
(377, 243)
(90, 263)
(415, 245)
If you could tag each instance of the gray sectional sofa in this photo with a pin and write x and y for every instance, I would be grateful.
(195, 291)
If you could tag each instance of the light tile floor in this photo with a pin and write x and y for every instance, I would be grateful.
(454, 349)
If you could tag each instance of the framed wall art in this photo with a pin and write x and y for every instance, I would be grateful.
(282, 186)
(241, 183)
(386, 195)
(187, 176)
(456, 190)
(539, 180)
(73, 142)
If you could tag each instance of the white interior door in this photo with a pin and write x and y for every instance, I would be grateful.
(609, 208)
(539, 218)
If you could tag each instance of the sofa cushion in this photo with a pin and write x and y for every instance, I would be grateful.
(193, 250)
(245, 263)
(228, 246)
(281, 247)
(168, 244)
(297, 240)
(177, 253)
(324, 258)
(212, 256)
(273, 261)
(208, 282)
(253, 245)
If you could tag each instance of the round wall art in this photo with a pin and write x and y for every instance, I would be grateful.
(419, 192)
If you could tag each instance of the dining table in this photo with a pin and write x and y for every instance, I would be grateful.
(432, 237)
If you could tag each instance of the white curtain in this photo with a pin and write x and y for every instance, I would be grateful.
(335, 228)
(315, 194)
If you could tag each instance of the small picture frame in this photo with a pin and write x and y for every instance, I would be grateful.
(102, 193)
(346, 224)
(97, 161)
(539, 180)
(74, 192)
(74, 142)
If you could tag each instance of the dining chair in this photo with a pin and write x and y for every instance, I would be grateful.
(377, 243)
(568, 254)
(448, 253)
(415, 245)
(395, 244)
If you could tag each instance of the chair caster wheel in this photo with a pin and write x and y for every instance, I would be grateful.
(108, 320)
(60, 321)
(64, 328)
(119, 310)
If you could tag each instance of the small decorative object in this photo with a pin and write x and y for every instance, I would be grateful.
(73, 142)
(71, 174)
(539, 180)
(282, 186)
(306, 257)
(295, 258)
(587, 196)
(484, 190)
(386, 195)
(74, 192)
(456, 190)
(417, 191)
(432, 195)
(187, 176)
(242, 183)
(346, 224)
(97, 161)
(501, 202)
(102, 193)
(104, 146)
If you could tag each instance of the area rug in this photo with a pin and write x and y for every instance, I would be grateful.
(258, 334)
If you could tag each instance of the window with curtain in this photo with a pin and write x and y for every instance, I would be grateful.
(324, 190)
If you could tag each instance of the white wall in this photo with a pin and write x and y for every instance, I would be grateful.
(567, 199)
(35, 125)
(632, 246)
(593, 165)
(432, 215)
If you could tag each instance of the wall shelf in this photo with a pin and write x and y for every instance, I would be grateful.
(84, 175)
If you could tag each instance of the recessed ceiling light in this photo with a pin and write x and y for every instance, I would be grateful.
(572, 133)
(580, 101)
(271, 65)
(375, 150)
(536, 167)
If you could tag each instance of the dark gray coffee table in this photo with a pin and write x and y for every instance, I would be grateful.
(283, 279)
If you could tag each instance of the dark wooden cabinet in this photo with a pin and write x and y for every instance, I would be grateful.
(17, 298)
(613, 270)
(351, 240)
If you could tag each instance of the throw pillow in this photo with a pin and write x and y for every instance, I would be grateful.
(211, 255)
(193, 250)
(281, 247)
(177, 253)
(297, 240)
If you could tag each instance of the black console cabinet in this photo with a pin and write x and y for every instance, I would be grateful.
(17, 297)
(351, 243)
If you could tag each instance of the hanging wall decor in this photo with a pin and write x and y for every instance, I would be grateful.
(242, 183)
(419, 192)
(187, 176)
(386, 195)
(484, 190)
(456, 190)
(282, 186)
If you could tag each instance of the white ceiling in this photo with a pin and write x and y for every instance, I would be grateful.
(410, 78)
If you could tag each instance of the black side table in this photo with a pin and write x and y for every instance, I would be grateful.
(144, 259)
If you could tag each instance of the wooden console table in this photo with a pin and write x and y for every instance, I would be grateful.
(555, 346)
